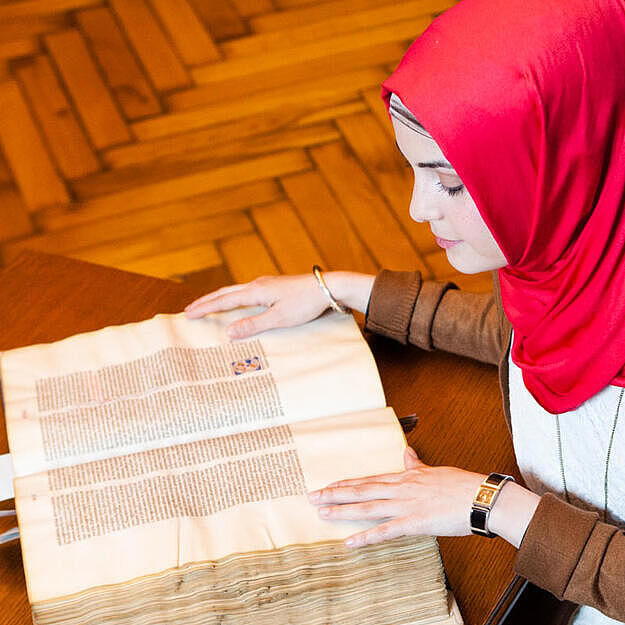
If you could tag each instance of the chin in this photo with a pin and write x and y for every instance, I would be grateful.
(466, 261)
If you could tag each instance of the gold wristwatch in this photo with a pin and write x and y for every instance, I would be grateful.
(483, 502)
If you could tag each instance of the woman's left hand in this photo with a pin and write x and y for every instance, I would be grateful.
(420, 500)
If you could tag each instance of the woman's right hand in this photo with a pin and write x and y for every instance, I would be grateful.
(289, 300)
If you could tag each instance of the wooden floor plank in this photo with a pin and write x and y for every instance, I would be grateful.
(178, 237)
(322, 11)
(340, 84)
(208, 280)
(124, 77)
(135, 224)
(24, 27)
(162, 159)
(141, 244)
(332, 47)
(66, 139)
(247, 258)
(205, 159)
(5, 173)
(14, 219)
(374, 100)
(311, 12)
(252, 135)
(377, 225)
(341, 22)
(331, 112)
(32, 8)
(389, 171)
(175, 263)
(19, 48)
(185, 186)
(247, 8)
(285, 235)
(287, 76)
(287, 4)
(316, 94)
(191, 39)
(93, 100)
(220, 18)
(35, 174)
(122, 222)
(152, 46)
(150, 150)
(327, 223)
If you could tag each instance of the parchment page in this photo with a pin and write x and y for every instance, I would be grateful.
(170, 380)
(118, 519)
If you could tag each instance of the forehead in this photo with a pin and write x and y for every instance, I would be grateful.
(415, 146)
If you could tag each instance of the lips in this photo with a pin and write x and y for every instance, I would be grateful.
(446, 243)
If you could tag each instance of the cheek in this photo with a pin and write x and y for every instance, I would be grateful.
(476, 233)
(466, 218)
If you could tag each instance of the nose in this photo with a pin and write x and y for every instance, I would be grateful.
(423, 207)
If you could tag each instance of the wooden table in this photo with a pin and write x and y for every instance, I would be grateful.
(47, 298)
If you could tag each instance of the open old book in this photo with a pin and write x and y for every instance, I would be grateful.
(162, 471)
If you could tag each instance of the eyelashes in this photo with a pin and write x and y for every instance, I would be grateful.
(450, 190)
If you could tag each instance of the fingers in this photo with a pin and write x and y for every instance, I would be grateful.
(358, 492)
(367, 511)
(382, 532)
(215, 294)
(411, 460)
(253, 325)
(233, 298)
(384, 477)
(290, 300)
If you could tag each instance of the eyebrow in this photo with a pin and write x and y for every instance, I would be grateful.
(432, 164)
(444, 164)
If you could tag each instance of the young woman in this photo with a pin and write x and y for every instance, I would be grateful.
(512, 115)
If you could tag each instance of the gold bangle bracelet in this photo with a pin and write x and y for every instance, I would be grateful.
(334, 303)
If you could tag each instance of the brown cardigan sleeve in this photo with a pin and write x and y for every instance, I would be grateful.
(435, 315)
(566, 550)
(570, 553)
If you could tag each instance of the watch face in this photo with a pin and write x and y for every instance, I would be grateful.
(485, 496)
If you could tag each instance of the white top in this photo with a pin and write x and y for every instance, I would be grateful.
(585, 437)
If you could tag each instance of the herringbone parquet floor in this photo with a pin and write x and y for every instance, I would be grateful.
(209, 141)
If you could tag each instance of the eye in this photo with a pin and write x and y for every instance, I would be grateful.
(450, 190)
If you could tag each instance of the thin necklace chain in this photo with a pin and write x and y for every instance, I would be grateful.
(607, 460)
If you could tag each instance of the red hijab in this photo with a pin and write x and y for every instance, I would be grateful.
(527, 102)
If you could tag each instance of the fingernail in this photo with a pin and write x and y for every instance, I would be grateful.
(314, 495)
(324, 512)
(350, 542)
